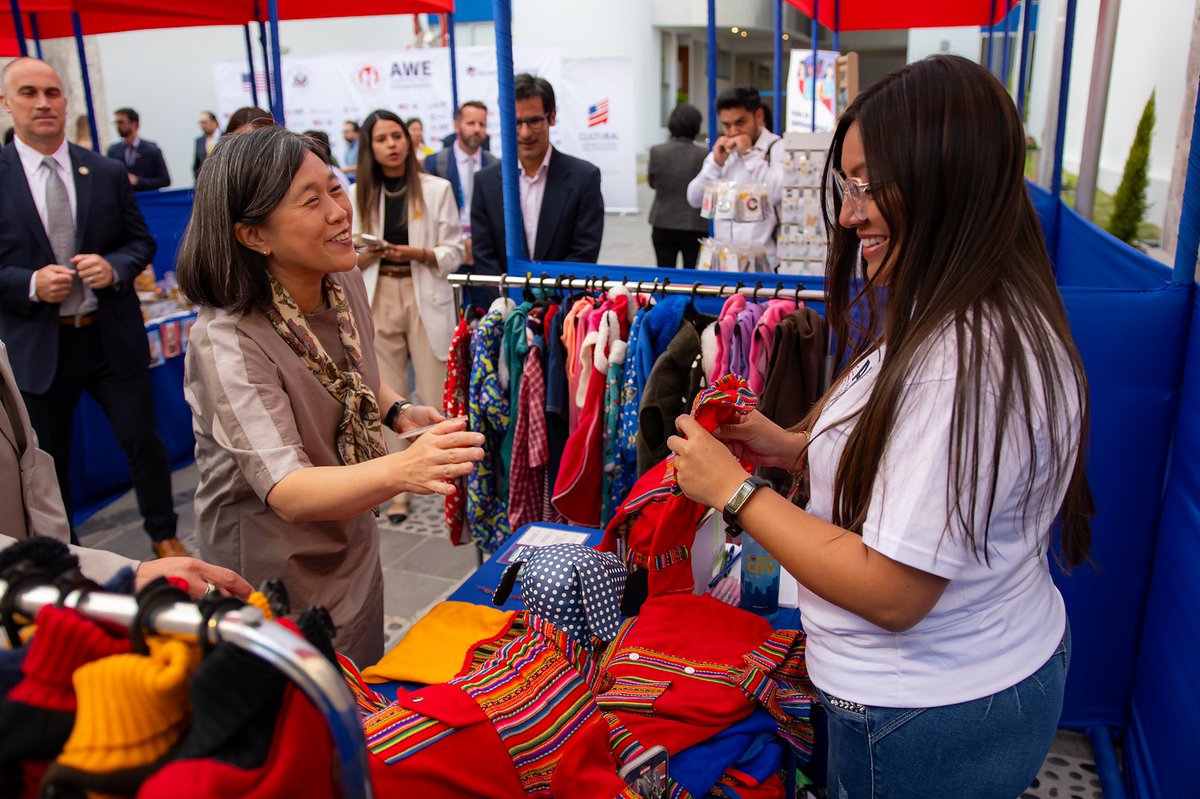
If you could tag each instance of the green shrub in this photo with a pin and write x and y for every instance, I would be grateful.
(1129, 204)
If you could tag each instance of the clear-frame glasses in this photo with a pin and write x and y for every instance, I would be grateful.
(854, 192)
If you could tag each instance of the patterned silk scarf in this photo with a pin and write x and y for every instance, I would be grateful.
(359, 433)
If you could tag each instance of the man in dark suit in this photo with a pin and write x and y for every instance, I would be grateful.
(71, 242)
(211, 131)
(462, 160)
(145, 162)
(561, 204)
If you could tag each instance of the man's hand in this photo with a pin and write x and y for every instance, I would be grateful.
(52, 282)
(720, 150)
(198, 574)
(94, 270)
(132, 179)
(468, 259)
(727, 144)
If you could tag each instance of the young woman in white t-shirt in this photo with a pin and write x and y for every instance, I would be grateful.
(939, 459)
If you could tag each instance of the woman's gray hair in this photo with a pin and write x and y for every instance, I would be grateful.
(243, 179)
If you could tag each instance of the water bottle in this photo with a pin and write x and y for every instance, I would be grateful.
(760, 579)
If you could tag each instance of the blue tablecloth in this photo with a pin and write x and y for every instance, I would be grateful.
(99, 471)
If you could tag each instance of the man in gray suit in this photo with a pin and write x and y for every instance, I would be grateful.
(676, 227)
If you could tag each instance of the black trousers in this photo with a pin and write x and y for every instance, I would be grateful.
(129, 406)
(669, 243)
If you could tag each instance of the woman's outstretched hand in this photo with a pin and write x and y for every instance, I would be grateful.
(434, 460)
(757, 440)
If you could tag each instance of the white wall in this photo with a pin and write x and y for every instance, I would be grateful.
(924, 42)
(166, 74)
(614, 28)
(1150, 55)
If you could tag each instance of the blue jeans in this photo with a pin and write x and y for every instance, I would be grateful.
(989, 748)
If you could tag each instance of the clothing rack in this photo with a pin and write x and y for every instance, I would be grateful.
(758, 291)
(248, 629)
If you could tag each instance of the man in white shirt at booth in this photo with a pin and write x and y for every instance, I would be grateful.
(747, 153)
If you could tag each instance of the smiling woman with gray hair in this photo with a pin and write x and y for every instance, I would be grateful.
(287, 401)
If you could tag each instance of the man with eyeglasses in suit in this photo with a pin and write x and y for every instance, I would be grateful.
(561, 205)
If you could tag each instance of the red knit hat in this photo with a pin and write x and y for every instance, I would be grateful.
(657, 521)
(37, 716)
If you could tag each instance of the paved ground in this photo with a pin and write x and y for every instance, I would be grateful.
(421, 568)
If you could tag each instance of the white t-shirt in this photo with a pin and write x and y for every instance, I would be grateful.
(995, 624)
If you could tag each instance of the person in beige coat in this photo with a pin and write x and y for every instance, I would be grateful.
(413, 241)
(31, 504)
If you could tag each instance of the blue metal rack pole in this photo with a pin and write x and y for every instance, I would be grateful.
(87, 81)
(262, 42)
(779, 104)
(712, 72)
(812, 84)
(1187, 246)
(1005, 53)
(19, 27)
(837, 25)
(1060, 134)
(514, 228)
(1026, 27)
(453, 61)
(250, 64)
(276, 64)
(37, 39)
(991, 32)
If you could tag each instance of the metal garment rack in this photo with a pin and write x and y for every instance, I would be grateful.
(248, 629)
(758, 291)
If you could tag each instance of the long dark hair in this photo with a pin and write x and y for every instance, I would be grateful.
(244, 178)
(370, 174)
(945, 156)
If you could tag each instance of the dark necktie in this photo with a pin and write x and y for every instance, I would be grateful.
(60, 228)
(130, 155)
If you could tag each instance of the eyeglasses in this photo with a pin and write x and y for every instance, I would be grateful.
(533, 122)
(854, 192)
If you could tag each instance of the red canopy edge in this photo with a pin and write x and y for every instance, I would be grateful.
(870, 15)
(115, 16)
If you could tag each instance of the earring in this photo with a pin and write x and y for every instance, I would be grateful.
(266, 252)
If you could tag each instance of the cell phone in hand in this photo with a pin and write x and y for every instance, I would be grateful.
(370, 243)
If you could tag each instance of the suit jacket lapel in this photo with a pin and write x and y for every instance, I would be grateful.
(12, 175)
(453, 176)
(83, 195)
(558, 190)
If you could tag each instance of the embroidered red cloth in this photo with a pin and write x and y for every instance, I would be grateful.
(660, 523)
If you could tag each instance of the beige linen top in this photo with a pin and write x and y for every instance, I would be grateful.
(259, 414)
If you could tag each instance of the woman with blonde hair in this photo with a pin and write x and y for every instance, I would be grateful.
(409, 226)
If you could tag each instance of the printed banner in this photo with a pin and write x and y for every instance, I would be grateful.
(594, 98)
(596, 123)
(801, 84)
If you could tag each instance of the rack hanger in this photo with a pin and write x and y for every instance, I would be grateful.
(248, 629)
(600, 284)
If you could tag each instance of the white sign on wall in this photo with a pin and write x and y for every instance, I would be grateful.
(802, 82)
(596, 122)
(322, 92)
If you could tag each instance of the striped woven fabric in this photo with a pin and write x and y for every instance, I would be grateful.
(396, 732)
(635, 694)
(536, 693)
(366, 698)
(625, 747)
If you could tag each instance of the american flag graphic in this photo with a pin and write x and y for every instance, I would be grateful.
(260, 78)
(598, 113)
